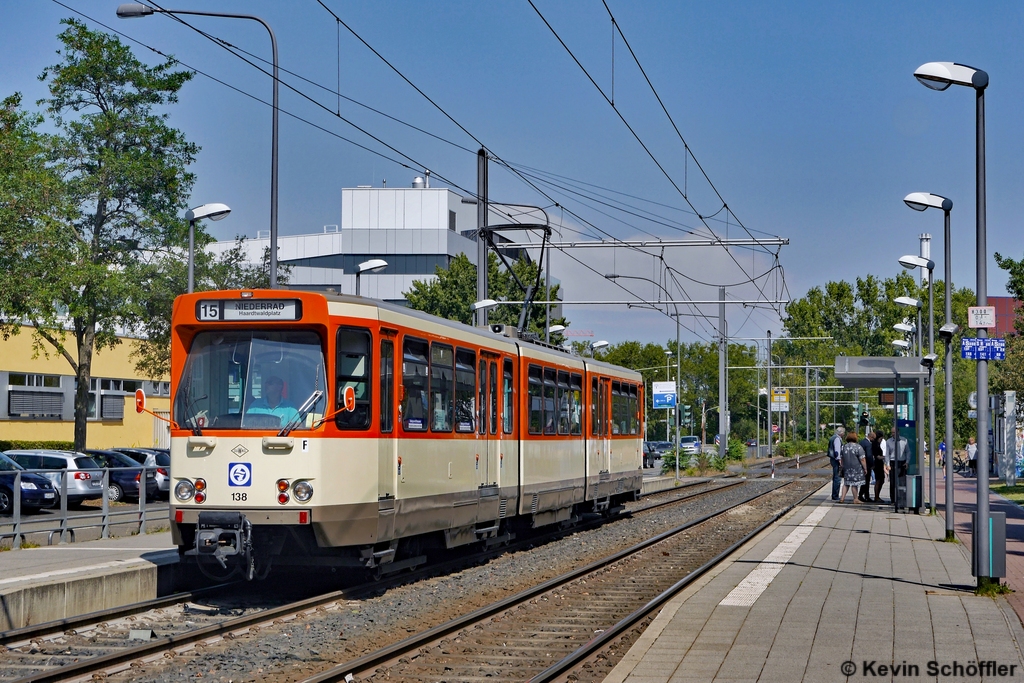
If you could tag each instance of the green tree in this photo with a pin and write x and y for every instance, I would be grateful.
(123, 170)
(1009, 375)
(453, 292)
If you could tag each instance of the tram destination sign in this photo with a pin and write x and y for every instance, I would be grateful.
(228, 310)
(972, 348)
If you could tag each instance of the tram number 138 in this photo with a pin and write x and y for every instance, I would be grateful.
(238, 496)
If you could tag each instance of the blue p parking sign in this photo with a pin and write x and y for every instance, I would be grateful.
(239, 474)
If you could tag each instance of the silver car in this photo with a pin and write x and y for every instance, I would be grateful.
(157, 459)
(84, 475)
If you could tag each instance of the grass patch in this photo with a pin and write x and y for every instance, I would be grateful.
(993, 588)
(1012, 493)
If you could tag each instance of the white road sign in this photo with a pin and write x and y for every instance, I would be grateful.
(981, 317)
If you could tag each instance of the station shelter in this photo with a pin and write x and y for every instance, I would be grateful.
(905, 377)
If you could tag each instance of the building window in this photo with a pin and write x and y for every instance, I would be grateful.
(19, 379)
(452, 221)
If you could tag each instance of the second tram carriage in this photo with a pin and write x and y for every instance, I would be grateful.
(346, 432)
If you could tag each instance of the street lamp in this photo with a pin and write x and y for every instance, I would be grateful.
(911, 302)
(901, 344)
(555, 329)
(214, 212)
(374, 265)
(912, 261)
(483, 303)
(939, 76)
(134, 10)
(594, 346)
(920, 201)
(615, 276)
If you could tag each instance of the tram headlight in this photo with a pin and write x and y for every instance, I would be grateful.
(303, 491)
(184, 490)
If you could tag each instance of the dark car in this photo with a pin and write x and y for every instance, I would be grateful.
(156, 459)
(751, 443)
(78, 471)
(36, 490)
(124, 483)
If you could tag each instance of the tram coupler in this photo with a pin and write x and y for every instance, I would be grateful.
(223, 534)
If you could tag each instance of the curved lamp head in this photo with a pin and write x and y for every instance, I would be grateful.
(594, 346)
(133, 10)
(919, 201)
(911, 261)
(214, 212)
(374, 265)
(611, 276)
(908, 301)
(555, 329)
(483, 303)
(929, 359)
(903, 327)
(941, 75)
(901, 344)
(948, 331)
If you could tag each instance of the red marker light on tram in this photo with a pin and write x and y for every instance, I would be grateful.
(200, 497)
(282, 498)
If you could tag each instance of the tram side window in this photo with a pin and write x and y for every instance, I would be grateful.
(465, 386)
(564, 407)
(387, 385)
(441, 380)
(536, 391)
(576, 405)
(550, 406)
(508, 401)
(604, 417)
(633, 417)
(595, 413)
(483, 397)
(618, 414)
(414, 384)
(353, 370)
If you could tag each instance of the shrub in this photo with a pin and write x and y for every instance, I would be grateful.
(12, 444)
(737, 450)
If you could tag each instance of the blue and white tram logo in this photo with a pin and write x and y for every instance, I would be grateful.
(239, 474)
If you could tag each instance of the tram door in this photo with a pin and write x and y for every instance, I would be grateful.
(387, 445)
(487, 420)
(606, 424)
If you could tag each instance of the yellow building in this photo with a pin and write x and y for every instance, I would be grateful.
(39, 397)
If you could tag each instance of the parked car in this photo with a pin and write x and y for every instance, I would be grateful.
(751, 443)
(84, 480)
(689, 445)
(157, 459)
(124, 483)
(36, 490)
(650, 455)
(662, 446)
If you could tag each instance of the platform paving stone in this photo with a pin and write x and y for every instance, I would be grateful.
(867, 585)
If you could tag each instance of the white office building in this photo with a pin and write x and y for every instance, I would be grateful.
(413, 228)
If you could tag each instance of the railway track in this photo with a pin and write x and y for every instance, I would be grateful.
(542, 633)
(107, 642)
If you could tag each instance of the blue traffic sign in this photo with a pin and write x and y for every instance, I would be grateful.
(972, 348)
(664, 395)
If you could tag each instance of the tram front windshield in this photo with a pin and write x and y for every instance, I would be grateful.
(252, 379)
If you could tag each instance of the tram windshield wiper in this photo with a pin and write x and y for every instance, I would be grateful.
(307, 406)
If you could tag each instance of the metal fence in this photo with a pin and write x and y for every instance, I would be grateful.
(63, 525)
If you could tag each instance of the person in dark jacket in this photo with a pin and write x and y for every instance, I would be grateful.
(878, 453)
(865, 491)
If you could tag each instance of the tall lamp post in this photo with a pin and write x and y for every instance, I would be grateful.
(911, 261)
(133, 10)
(939, 76)
(214, 212)
(920, 201)
(374, 265)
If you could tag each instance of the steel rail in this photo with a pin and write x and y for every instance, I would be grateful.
(610, 634)
(373, 659)
(167, 643)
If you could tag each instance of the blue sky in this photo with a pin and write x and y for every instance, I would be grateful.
(804, 115)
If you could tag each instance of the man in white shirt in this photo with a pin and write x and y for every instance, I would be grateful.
(835, 447)
(896, 458)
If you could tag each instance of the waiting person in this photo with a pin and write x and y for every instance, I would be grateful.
(272, 401)
(854, 467)
(972, 455)
(881, 468)
(835, 447)
(897, 460)
(942, 453)
(869, 466)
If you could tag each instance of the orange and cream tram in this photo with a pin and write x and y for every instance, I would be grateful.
(340, 431)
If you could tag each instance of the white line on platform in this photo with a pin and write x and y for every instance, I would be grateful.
(750, 588)
(77, 570)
